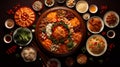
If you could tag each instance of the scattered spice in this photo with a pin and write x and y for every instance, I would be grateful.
(12, 10)
(103, 8)
(11, 50)
(103, 33)
(111, 46)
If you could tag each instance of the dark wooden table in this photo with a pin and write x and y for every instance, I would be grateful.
(10, 53)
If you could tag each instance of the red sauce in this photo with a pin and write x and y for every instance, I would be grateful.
(8, 38)
(110, 34)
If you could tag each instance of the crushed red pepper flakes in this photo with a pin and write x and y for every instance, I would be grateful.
(111, 46)
(12, 10)
(11, 33)
(16, 6)
(103, 33)
(11, 50)
(103, 8)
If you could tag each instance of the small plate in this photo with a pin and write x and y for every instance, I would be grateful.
(70, 3)
(86, 16)
(53, 62)
(111, 19)
(49, 3)
(111, 34)
(82, 6)
(96, 45)
(95, 24)
(82, 59)
(22, 36)
(29, 54)
(37, 5)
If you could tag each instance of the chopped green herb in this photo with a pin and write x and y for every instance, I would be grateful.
(70, 44)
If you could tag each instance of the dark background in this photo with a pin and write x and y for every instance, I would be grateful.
(111, 56)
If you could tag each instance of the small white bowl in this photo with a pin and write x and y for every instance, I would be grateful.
(49, 5)
(82, 6)
(37, 5)
(111, 34)
(69, 4)
(109, 15)
(9, 23)
(7, 38)
(86, 16)
(93, 8)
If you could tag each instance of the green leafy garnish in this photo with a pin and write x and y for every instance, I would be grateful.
(70, 44)
(22, 36)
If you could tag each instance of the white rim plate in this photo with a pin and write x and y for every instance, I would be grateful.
(83, 5)
(7, 35)
(29, 51)
(11, 21)
(95, 6)
(112, 31)
(53, 1)
(105, 48)
(70, 6)
(101, 22)
(105, 16)
(37, 5)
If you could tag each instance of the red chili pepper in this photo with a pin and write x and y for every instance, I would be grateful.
(103, 8)
(95, 43)
(103, 33)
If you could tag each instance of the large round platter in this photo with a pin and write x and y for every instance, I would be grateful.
(96, 45)
(60, 31)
